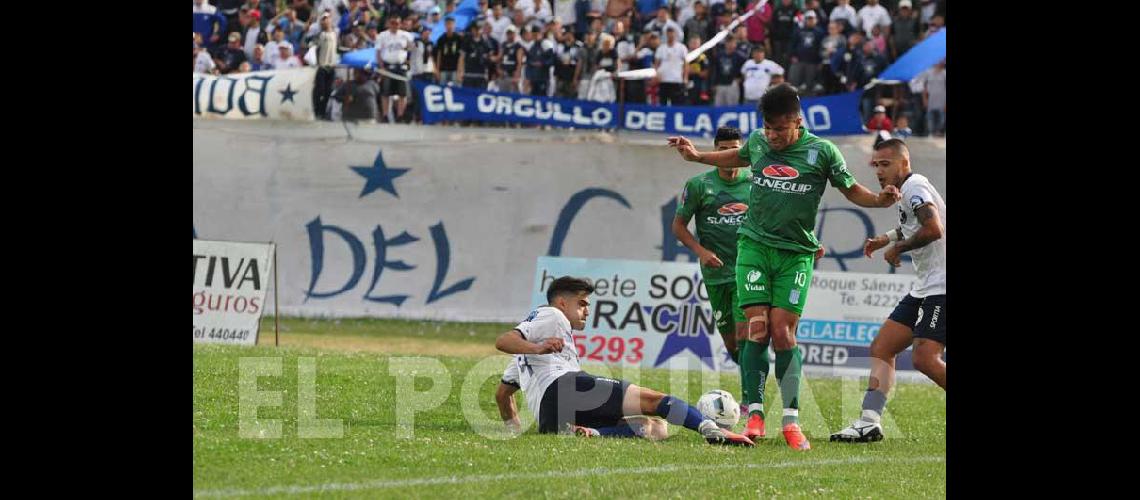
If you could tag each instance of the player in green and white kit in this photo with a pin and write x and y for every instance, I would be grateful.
(791, 167)
(719, 199)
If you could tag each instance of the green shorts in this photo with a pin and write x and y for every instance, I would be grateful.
(772, 276)
(724, 306)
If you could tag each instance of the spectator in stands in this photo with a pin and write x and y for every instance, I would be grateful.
(271, 53)
(681, 10)
(783, 24)
(447, 51)
(510, 68)
(244, 68)
(326, 59)
(352, 38)
(285, 58)
(880, 41)
(602, 81)
(934, 99)
(647, 10)
(478, 49)
(203, 63)
(699, 76)
(568, 66)
(617, 11)
(589, 56)
(821, 18)
(928, 10)
(257, 62)
(866, 65)
(697, 26)
(208, 23)
(845, 13)
(872, 15)
(392, 49)
(757, 73)
(229, 57)
(252, 34)
(303, 10)
(644, 91)
(371, 33)
(539, 60)
(230, 9)
(758, 24)
(742, 44)
(806, 55)
(833, 44)
(358, 98)
(902, 128)
(727, 62)
(266, 10)
(400, 9)
(904, 30)
(423, 57)
(625, 45)
(499, 23)
(661, 23)
(879, 120)
(672, 72)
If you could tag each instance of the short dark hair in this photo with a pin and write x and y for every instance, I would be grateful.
(758, 48)
(567, 285)
(727, 134)
(780, 100)
(894, 143)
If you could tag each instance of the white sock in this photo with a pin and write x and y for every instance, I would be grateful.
(755, 407)
(871, 416)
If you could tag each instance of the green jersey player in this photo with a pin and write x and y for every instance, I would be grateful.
(791, 167)
(719, 199)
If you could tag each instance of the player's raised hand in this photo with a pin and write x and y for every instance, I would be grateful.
(709, 259)
(873, 244)
(550, 345)
(893, 256)
(889, 196)
(685, 147)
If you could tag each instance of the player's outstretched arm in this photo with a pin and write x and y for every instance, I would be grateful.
(863, 197)
(513, 342)
(728, 158)
(930, 231)
(505, 400)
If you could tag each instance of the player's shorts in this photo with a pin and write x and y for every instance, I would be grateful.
(926, 316)
(393, 86)
(724, 303)
(581, 399)
(772, 276)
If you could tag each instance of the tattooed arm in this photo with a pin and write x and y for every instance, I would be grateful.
(931, 231)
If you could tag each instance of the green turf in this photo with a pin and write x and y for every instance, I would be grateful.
(447, 456)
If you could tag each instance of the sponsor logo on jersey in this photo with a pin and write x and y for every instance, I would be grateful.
(794, 297)
(813, 154)
(753, 275)
(734, 208)
(778, 177)
(780, 172)
(753, 288)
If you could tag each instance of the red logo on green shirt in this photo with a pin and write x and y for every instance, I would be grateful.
(781, 172)
(734, 208)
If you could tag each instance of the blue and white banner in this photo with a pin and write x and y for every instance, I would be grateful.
(276, 95)
(646, 314)
(828, 115)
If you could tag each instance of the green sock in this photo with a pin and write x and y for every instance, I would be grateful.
(789, 368)
(754, 368)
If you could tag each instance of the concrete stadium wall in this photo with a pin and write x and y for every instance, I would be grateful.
(458, 236)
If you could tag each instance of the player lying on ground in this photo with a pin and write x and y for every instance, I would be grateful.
(921, 315)
(651, 428)
(563, 397)
(718, 198)
(791, 168)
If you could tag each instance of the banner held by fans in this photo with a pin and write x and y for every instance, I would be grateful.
(277, 95)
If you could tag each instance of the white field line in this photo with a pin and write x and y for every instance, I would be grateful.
(599, 471)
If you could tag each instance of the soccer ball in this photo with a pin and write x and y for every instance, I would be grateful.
(721, 407)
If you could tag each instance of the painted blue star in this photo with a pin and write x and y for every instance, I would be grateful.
(677, 342)
(379, 176)
(287, 94)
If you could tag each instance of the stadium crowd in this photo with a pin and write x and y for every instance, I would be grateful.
(574, 48)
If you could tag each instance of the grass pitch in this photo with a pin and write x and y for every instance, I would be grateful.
(458, 447)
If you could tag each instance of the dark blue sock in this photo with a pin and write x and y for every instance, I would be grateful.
(678, 412)
(620, 430)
